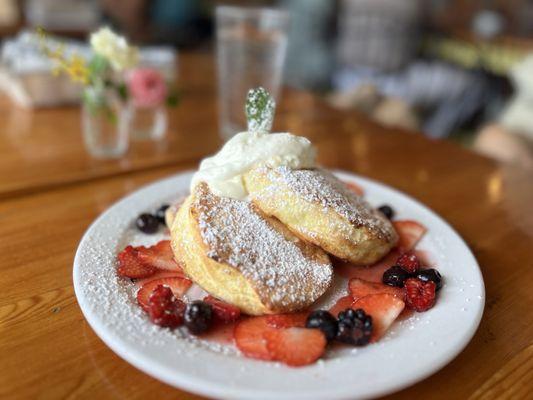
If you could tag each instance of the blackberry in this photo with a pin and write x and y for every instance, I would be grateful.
(432, 275)
(324, 321)
(354, 327)
(198, 316)
(147, 223)
(395, 276)
(387, 211)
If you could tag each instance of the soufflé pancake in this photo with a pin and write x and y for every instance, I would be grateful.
(318, 207)
(245, 258)
(260, 220)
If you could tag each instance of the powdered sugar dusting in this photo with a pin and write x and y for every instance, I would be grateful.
(284, 270)
(321, 187)
(113, 298)
(109, 305)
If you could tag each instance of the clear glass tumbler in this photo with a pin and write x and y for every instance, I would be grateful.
(105, 123)
(148, 123)
(251, 48)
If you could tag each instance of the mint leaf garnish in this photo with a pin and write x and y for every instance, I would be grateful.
(259, 109)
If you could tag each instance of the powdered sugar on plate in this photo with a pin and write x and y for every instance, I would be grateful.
(216, 370)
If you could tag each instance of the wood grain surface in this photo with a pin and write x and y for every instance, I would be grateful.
(44, 148)
(47, 350)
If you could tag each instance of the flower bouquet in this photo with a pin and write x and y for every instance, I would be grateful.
(113, 91)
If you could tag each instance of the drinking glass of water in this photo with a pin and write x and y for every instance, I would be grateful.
(251, 47)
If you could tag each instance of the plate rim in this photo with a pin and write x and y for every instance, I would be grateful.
(198, 386)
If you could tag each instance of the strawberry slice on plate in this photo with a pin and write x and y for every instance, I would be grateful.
(159, 274)
(360, 288)
(178, 286)
(159, 256)
(410, 233)
(130, 266)
(295, 346)
(287, 320)
(342, 304)
(223, 312)
(249, 337)
(354, 187)
(384, 309)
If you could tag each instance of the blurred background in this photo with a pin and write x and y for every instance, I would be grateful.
(459, 70)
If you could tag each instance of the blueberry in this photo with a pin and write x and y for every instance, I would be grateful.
(355, 327)
(160, 213)
(387, 211)
(147, 223)
(324, 321)
(395, 276)
(430, 275)
(198, 317)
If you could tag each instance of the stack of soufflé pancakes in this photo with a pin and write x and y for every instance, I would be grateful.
(262, 219)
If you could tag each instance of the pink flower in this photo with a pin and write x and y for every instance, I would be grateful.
(147, 87)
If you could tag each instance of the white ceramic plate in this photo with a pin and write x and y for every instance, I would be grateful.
(412, 350)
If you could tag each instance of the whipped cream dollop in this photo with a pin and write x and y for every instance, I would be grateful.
(224, 171)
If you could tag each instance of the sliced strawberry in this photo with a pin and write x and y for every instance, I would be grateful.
(384, 309)
(360, 288)
(249, 337)
(130, 266)
(159, 256)
(354, 187)
(410, 233)
(287, 320)
(295, 346)
(224, 312)
(342, 304)
(178, 285)
(372, 273)
(160, 274)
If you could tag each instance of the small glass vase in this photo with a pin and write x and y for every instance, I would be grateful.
(148, 123)
(105, 122)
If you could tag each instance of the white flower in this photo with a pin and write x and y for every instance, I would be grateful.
(114, 48)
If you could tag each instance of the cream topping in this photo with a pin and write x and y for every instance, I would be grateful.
(224, 171)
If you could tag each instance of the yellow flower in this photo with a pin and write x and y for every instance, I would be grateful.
(75, 66)
(77, 69)
(114, 48)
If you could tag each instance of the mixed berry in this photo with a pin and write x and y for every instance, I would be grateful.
(325, 321)
(164, 309)
(149, 223)
(395, 276)
(198, 317)
(420, 284)
(355, 327)
(361, 317)
(387, 211)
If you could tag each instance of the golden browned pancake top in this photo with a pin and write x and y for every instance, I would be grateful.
(321, 187)
(278, 264)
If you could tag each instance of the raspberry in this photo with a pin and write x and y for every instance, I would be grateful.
(409, 262)
(164, 308)
(420, 295)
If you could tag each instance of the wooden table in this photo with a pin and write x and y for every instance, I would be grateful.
(50, 193)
